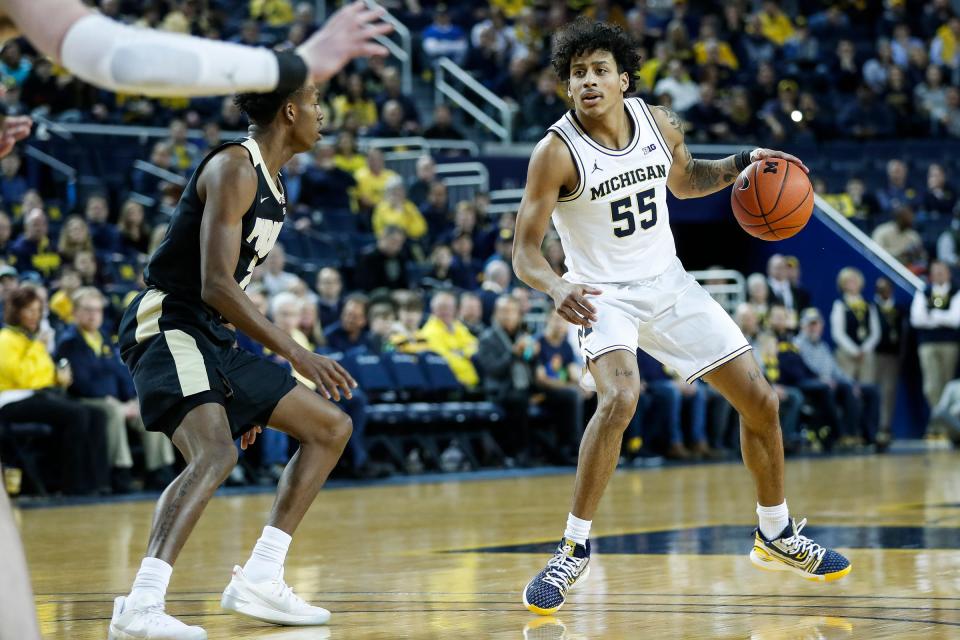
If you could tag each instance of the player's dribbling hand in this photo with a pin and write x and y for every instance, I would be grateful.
(348, 34)
(247, 439)
(329, 376)
(572, 304)
(764, 154)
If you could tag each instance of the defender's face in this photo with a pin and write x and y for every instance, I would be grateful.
(308, 118)
(595, 86)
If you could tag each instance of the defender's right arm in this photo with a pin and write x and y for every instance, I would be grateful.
(227, 186)
(550, 171)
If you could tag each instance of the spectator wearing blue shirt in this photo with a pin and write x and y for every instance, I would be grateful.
(33, 250)
(557, 377)
(13, 186)
(350, 334)
(101, 380)
(106, 237)
(897, 192)
(330, 296)
(13, 64)
(443, 38)
(325, 185)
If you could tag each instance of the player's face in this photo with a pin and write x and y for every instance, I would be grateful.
(595, 86)
(309, 118)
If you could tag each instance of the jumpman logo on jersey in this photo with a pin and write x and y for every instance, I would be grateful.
(596, 167)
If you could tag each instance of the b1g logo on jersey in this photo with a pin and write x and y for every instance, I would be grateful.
(650, 148)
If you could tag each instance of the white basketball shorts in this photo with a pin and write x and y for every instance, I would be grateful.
(671, 317)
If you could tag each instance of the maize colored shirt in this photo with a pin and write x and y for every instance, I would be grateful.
(24, 362)
(456, 346)
(370, 186)
(408, 218)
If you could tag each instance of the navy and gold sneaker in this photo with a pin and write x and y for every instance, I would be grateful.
(547, 592)
(791, 551)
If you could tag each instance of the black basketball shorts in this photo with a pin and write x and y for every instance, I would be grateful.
(181, 357)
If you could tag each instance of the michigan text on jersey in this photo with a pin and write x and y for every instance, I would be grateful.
(627, 179)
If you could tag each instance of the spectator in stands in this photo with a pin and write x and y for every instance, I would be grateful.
(392, 124)
(396, 210)
(275, 276)
(801, 296)
(13, 186)
(860, 403)
(889, 354)
(866, 118)
(855, 328)
(393, 91)
(8, 283)
(425, 177)
(899, 97)
(148, 184)
(450, 338)
(372, 179)
(557, 376)
(133, 228)
(61, 302)
(329, 295)
(487, 57)
(471, 312)
(106, 238)
(348, 156)
(855, 201)
(383, 324)
(758, 296)
(33, 250)
(931, 95)
(938, 198)
(101, 381)
(436, 209)
(14, 66)
(443, 38)
(74, 237)
(781, 291)
(185, 153)
(354, 102)
(85, 264)
(443, 127)
(6, 234)
(406, 337)
(349, 334)
(31, 390)
(935, 314)
(683, 91)
(541, 108)
(464, 269)
(325, 185)
(900, 239)
(505, 358)
(950, 121)
(708, 122)
(384, 264)
(439, 276)
(496, 282)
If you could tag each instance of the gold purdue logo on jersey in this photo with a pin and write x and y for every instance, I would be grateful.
(628, 179)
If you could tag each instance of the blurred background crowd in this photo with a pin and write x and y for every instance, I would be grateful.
(412, 287)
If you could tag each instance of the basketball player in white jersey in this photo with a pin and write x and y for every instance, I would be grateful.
(119, 57)
(602, 174)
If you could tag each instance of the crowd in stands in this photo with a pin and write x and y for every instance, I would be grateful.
(374, 265)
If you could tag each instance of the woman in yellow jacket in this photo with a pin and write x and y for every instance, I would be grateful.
(31, 390)
(396, 211)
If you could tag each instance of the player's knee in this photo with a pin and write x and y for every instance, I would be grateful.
(330, 432)
(764, 410)
(217, 463)
(619, 405)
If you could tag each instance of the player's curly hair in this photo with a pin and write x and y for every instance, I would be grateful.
(584, 35)
(262, 108)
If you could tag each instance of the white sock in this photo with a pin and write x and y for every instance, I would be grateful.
(266, 561)
(773, 520)
(577, 530)
(150, 585)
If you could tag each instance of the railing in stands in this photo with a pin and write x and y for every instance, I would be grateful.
(504, 200)
(463, 179)
(727, 286)
(403, 51)
(423, 145)
(447, 70)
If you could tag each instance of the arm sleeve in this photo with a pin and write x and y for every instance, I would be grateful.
(838, 329)
(128, 59)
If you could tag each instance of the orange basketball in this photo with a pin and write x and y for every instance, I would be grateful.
(772, 199)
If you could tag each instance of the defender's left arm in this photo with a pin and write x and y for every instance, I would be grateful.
(691, 177)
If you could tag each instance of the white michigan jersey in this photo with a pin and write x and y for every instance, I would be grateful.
(614, 227)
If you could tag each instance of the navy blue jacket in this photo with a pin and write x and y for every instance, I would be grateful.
(94, 375)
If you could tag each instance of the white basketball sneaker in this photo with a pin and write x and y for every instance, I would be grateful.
(148, 623)
(271, 601)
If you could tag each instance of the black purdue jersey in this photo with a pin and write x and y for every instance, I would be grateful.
(175, 266)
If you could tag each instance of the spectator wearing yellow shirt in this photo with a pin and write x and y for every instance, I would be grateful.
(276, 13)
(775, 25)
(61, 302)
(396, 210)
(348, 156)
(372, 180)
(709, 48)
(945, 48)
(450, 338)
(355, 101)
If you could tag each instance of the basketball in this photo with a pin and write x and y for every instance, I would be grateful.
(772, 199)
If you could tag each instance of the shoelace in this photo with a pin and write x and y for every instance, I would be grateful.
(157, 614)
(797, 543)
(563, 570)
(285, 591)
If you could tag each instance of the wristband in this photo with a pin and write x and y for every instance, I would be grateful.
(742, 160)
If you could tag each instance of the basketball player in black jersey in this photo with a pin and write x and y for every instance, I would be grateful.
(198, 388)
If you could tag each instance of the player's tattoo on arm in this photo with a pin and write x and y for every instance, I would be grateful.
(754, 375)
(703, 176)
(622, 373)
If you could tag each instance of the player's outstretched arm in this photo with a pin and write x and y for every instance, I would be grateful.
(228, 185)
(119, 57)
(550, 170)
(691, 177)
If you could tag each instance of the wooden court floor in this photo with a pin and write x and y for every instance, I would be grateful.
(448, 559)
